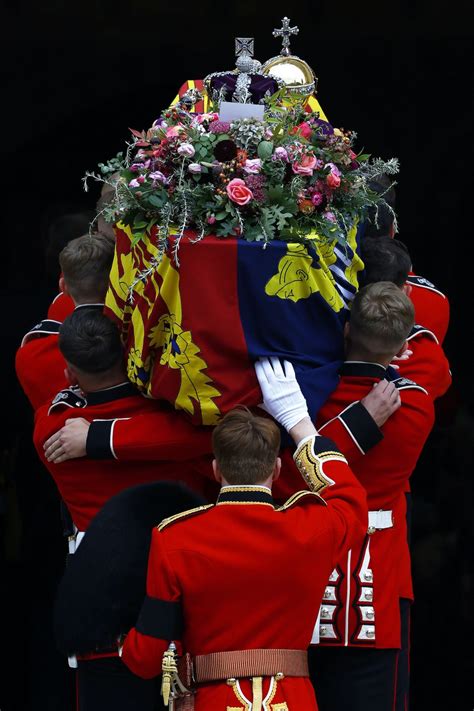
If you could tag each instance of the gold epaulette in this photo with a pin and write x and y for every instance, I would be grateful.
(310, 464)
(294, 498)
(183, 515)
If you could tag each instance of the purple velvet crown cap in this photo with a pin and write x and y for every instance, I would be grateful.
(259, 87)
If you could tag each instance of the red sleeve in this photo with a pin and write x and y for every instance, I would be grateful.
(427, 366)
(39, 367)
(326, 471)
(164, 435)
(160, 619)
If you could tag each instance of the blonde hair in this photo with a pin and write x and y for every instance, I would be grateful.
(382, 317)
(85, 264)
(245, 446)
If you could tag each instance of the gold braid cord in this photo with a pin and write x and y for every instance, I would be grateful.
(310, 465)
(174, 692)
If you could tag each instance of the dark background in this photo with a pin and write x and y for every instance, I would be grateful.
(74, 78)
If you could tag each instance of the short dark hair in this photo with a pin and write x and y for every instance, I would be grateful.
(85, 263)
(245, 446)
(385, 259)
(90, 341)
(381, 319)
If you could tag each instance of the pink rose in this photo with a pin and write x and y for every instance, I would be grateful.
(304, 129)
(253, 166)
(305, 165)
(238, 192)
(333, 180)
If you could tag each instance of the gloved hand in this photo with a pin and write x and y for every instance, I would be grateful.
(282, 396)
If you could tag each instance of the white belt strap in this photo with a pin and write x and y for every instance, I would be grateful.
(75, 540)
(378, 520)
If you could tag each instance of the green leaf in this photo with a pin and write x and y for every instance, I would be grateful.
(221, 215)
(265, 149)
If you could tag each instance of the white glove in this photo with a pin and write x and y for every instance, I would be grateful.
(282, 396)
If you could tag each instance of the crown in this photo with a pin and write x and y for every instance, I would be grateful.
(246, 83)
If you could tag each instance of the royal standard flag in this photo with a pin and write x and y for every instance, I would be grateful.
(193, 332)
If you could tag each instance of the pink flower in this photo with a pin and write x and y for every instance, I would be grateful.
(268, 133)
(305, 165)
(134, 183)
(141, 179)
(174, 131)
(238, 192)
(317, 198)
(195, 168)
(158, 176)
(333, 169)
(211, 219)
(304, 129)
(186, 149)
(200, 118)
(280, 153)
(329, 216)
(253, 166)
(333, 180)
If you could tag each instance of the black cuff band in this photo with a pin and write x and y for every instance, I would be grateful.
(98, 444)
(160, 618)
(361, 426)
(324, 444)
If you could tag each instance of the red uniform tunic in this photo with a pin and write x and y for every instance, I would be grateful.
(427, 366)
(431, 305)
(39, 363)
(246, 575)
(85, 485)
(361, 606)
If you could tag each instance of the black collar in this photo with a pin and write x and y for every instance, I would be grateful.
(99, 397)
(245, 495)
(362, 369)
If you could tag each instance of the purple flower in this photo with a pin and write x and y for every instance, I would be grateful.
(317, 199)
(219, 127)
(158, 176)
(280, 154)
(330, 216)
(195, 168)
(334, 170)
(253, 166)
(186, 149)
(160, 123)
(134, 183)
(256, 184)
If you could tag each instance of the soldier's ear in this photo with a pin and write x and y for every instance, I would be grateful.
(402, 349)
(70, 375)
(407, 288)
(62, 284)
(276, 469)
(217, 472)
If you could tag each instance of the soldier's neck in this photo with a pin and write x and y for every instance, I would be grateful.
(364, 356)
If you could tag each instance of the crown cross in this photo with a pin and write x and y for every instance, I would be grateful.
(285, 33)
(243, 45)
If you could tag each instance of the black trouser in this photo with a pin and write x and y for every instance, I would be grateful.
(108, 684)
(358, 679)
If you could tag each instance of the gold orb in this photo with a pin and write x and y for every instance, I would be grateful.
(295, 73)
